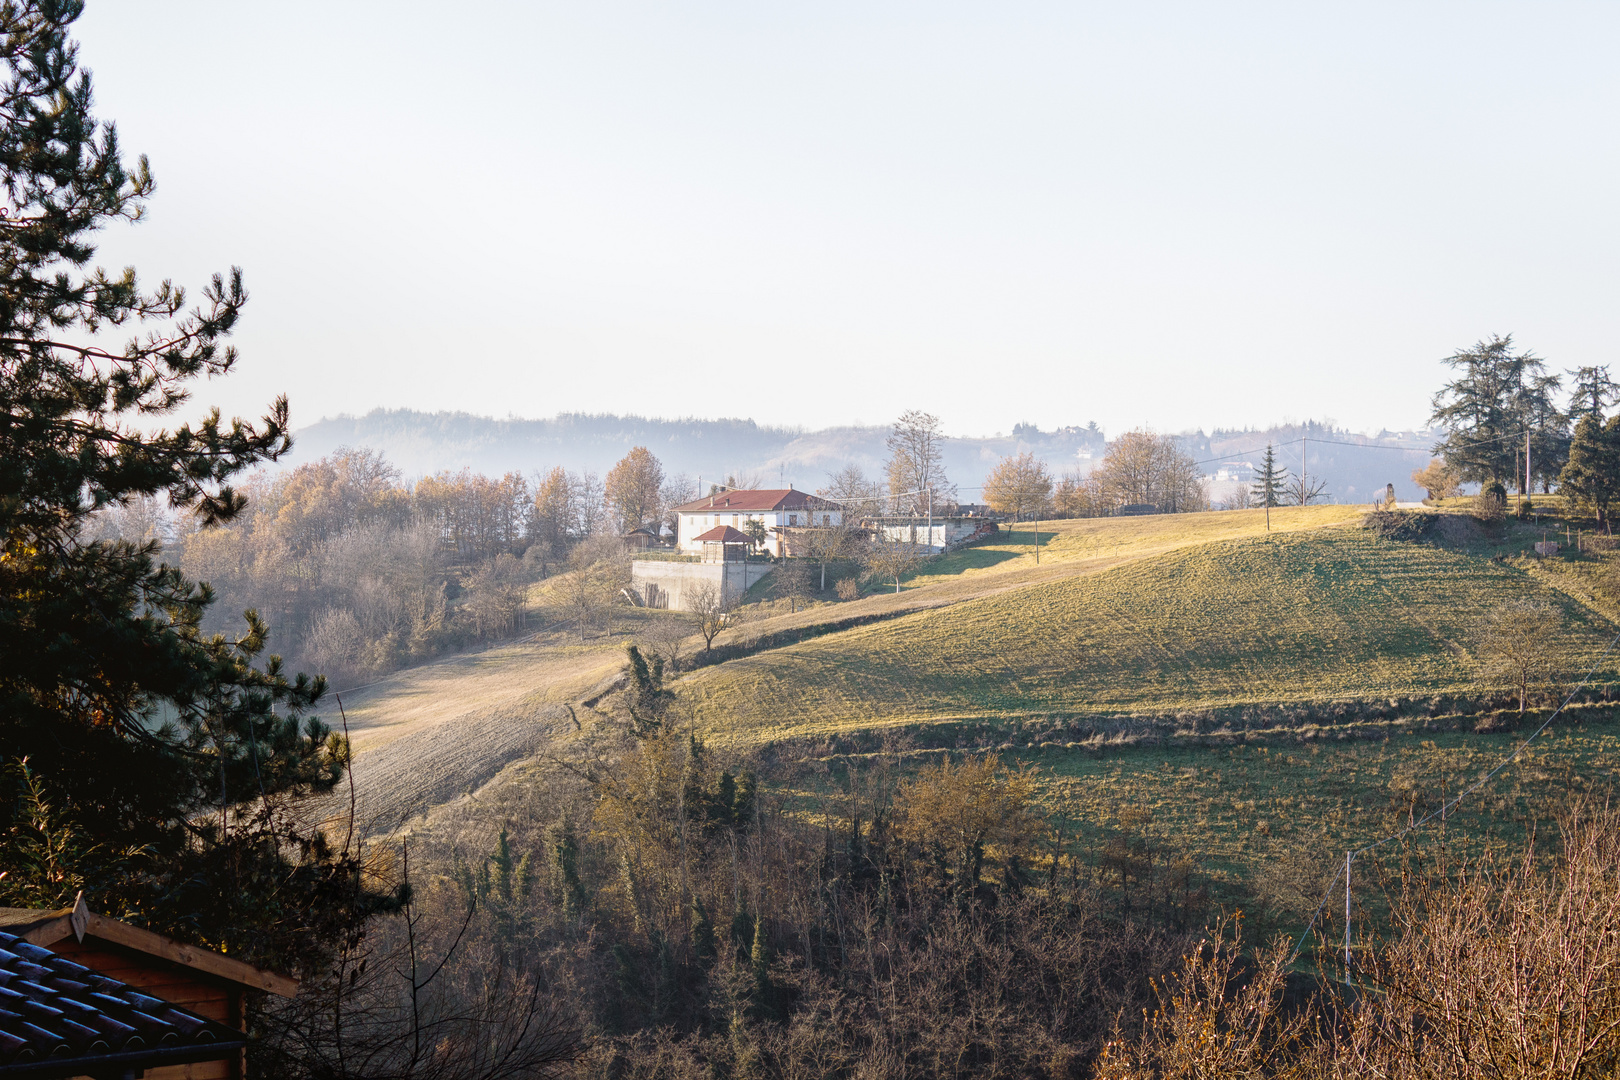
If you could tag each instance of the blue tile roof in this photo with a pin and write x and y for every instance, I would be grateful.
(59, 1018)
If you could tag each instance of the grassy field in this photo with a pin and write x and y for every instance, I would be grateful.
(1291, 617)
(1136, 616)
(1249, 814)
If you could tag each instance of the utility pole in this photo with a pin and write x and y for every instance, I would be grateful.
(1304, 469)
(1527, 464)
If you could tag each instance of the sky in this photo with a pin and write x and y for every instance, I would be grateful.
(1172, 215)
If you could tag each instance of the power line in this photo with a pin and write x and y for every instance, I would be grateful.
(1363, 446)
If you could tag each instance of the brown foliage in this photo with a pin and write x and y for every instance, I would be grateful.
(1142, 468)
(633, 488)
(1491, 971)
(1019, 485)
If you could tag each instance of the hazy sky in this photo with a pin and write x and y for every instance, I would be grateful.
(1173, 214)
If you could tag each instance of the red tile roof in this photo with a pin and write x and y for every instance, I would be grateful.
(723, 534)
(733, 502)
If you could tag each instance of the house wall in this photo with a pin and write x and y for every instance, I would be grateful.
(671, 584)
(691, 526)
(945, 533)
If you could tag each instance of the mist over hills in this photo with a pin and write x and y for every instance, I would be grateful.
(422, 443)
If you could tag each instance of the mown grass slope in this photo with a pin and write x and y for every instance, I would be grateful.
(1291, 617)
(1276, 819)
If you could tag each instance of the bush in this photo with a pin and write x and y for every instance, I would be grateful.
(1401, 524)
(1490, 507)
(848, 589)
(1501, 969)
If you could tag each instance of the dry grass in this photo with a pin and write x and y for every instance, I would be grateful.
(431, 733)
(1289, 617)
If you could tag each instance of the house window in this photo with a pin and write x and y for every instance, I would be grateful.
(826, 519)
(793, 519)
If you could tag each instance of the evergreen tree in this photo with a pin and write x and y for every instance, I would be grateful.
(1498, 396)
(646, 698)
(1271, 483)
(143, 735)
(1592, 393)
(1591, 479)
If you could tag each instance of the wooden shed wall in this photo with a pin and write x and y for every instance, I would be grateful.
(203, 995)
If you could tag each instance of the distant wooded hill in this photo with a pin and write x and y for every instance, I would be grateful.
(422, 443)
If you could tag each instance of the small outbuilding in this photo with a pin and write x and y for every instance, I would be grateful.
(194, 992)
(639, 540)
(723, 544)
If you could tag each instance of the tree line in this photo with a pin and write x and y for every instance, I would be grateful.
(1509, 424)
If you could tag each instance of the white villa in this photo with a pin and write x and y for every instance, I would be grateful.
(778, 509)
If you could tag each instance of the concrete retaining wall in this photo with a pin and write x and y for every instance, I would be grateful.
(671, 584)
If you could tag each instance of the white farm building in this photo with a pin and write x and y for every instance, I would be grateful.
(778, 509)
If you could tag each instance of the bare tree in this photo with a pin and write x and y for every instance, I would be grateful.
(665, 637)
(420, 998)
(590, 502)
(677, 489)
(710, 606)
(1519, 642)
(1145, 469)
(825, 543)
(859, 497)
(1079, 495)
(917, 463)
(1020, 486)
(890, 560)
(793, 582)
(854, 491)
(1302, 491)
(555, 520)
(496, 592)
(599, 572)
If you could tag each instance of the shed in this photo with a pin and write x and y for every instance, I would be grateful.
(200, 981)
(640, 540)
(62, 1019)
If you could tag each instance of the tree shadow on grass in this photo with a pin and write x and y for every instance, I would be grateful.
(1008, 546)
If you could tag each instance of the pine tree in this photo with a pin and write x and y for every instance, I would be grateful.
(1496, 397)
(150, 738)
(1271, 483)
(1591, 479)
(1593, 392)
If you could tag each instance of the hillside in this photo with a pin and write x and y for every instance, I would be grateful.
(1290, 617)
(430, 733)
(1123, 617)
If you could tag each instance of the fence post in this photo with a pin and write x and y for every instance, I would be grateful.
(1347, 918)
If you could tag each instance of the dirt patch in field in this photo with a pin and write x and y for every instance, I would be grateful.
(430, 734)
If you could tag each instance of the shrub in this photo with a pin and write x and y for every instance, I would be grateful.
(1490, 507)
(1401, 524)
(848, 589)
